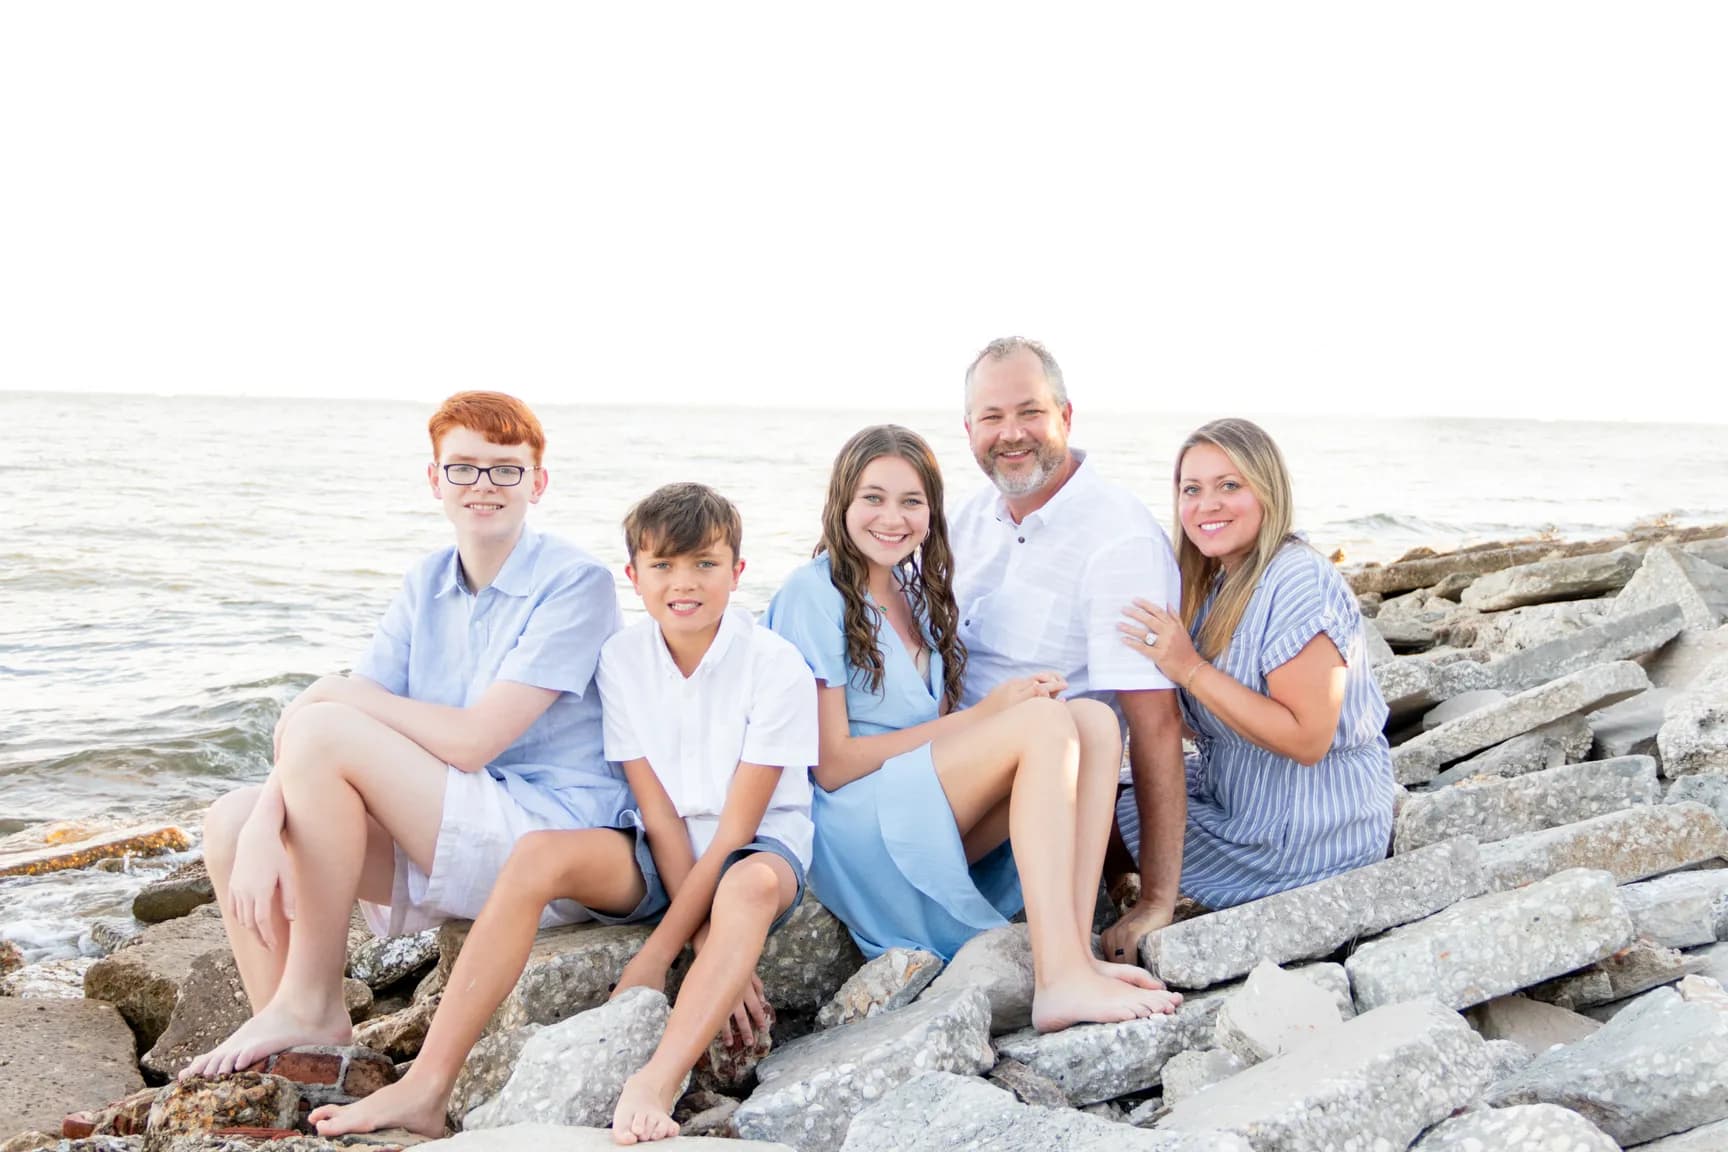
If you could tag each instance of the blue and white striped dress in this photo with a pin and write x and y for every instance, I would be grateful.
(1258, 822)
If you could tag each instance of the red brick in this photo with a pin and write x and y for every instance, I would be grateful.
(307, 1067)
(77, 1125)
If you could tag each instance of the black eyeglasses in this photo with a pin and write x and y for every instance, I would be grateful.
(503, 475)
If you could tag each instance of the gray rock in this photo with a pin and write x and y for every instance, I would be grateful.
(1273, 1012)
(939, 1112)
(1333, 979)
(382, 961)
(1694, 734)
(1572, 578)
(1375, 1082)
(1315, 920)
(1521, 629)
(559, 1138)
(1094, 1062)
(573, 1072)
(1637, 968)
(1492, 945)
(1629, 727)
(1633, 845)
(1404, 635)
(1461, 705)
(1496, 808)
(1028, 1087)
(1670, 576)
(144, 979)
(569, 970)
(1680, 911)
(210, 1005)
(1409, 686)
(175, 895)
(1379, 652)
(1533, 1025)
(59, 1056)
(1712, 962)
(1708, 1138)
(397, 1034)
(1506, 1057)
(1564, 741)
(110, 934)
(805, 963)
(487, 1069)
(50, 980)
(1710, 791)
(1188, 1073)
(812, 1088)
(1421, 758)
(1425, 571)
(892, 980)
(1000, 962)
(1711, 551)
(1686, 657)
(1659, 1067)
(1627, 637)
(1528, 1126)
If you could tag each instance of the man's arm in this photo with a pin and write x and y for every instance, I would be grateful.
(1161, 796)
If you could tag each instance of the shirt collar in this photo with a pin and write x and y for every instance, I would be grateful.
(1083, 478)
(733, 623)
(515, 578)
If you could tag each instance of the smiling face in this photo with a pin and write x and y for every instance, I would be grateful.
(1019, 434)
(485, 511)
(889, 515)
(687, 593)
(1220, 514)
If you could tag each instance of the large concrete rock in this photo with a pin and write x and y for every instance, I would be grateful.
(487, 1069)
(1659, 1067)
(1425, 571)
(1421, 758)
(999, 962)
(1461, 705)
(1565, 741)
(939, 1111)
(1680, 911)
(1708, 1138)
(804, 964)
(892, 980)
(1491, 945)
(572, 1072)
(1670, 576)
(1626, 637)
(1710, 791)
(144, 979)
(1629, 727)
(1496, 808)
(383, 960)
(60, 1056)
(1572, 578)
(1529, 1126)
(1094, 1062)
(175, 895)
(569, 970)
(1375, 1082)
(1634, 845)
(1520, 629)
(61, 979)
(1531, 1024)
(811, 1089)
(1694, 734)
(1273, 1012)
(1316, 920)
(1636, 968)
(559, 1138)
(1192, 1072)
(1409, 686)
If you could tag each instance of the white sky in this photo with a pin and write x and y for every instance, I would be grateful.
(1468, 208)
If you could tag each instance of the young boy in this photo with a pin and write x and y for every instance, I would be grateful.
(471, 721)
(714, 720)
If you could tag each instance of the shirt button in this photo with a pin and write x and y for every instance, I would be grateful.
(1022, 539)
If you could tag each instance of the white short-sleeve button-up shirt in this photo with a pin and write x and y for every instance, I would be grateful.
(1047, 593)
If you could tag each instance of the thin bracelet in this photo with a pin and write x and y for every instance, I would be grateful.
(1188, 680)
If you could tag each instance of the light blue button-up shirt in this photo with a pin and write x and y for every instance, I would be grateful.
(541, 621)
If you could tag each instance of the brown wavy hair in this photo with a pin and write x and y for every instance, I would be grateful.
(926, 580)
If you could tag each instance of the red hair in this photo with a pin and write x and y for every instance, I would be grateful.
(500, 418)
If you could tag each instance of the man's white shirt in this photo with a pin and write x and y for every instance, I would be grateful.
(1046, 594)
(751, 700)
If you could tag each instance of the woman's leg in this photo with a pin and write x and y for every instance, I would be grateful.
(1030, 755)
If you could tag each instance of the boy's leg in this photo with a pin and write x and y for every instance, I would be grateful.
(596, 867)
(752, 893)
(338, 767)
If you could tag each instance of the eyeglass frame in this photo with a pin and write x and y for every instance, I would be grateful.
(444, 470)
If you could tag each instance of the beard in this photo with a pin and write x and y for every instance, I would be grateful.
(1046, 461)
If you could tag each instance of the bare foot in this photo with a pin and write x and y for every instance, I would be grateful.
(276, 1029)
(1089, 998)
(404, 1104)
(644, 1110)
(1128, 974)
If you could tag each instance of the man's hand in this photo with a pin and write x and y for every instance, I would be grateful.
(1122, 939)
(261, 870)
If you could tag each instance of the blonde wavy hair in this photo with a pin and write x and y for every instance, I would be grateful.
(1254, 457)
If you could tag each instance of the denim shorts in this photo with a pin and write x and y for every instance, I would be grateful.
(769, 844)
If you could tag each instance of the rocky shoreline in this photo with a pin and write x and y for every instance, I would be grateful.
(1539, 964)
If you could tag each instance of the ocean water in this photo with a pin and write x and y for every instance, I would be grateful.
(174, 569)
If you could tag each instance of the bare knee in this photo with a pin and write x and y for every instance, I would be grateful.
(1094, 720)
(534, 867)
(223, 821)
(749, 886)
(316, 736)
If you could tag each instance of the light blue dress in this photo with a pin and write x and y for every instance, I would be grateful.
(889, 860)
(1258, 822)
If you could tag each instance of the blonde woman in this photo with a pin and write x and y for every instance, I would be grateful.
(1293, 777)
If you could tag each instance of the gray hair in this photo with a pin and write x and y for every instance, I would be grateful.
(1004, 347)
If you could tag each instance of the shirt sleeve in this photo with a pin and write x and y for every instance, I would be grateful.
(1307, 600)
(808, 611)
(781, 728)
(559, 647)
(1143, 567)
(621, 741)
(385, 661)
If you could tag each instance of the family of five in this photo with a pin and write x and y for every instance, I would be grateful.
(926, 728)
